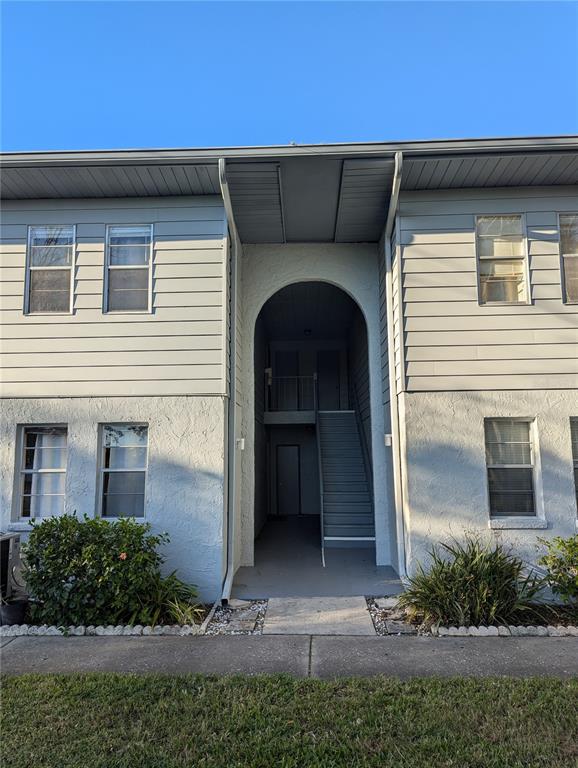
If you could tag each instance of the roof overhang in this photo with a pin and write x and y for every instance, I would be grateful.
(296, 193)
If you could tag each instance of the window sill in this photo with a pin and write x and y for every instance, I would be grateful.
(505, 523)
(47, 314)
(19, 527)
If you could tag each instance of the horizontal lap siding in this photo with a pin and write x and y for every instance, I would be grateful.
(385, 396)
(450, 341)
(178, 349)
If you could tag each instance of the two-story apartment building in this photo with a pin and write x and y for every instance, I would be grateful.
(377, 343)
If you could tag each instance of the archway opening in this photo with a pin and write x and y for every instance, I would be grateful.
(313, 465)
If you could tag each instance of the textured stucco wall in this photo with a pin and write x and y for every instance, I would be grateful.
(354, 268)
(184, 486)
(445, 485)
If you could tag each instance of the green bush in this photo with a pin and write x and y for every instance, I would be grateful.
(93, 571)
(561, 562)
(471, 583)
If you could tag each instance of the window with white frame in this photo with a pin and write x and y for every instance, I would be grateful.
(574, 437)
(501, 253)
(510, 467)
(50, 269)
(123, 469)
(42, 471)
(569, 256)
(128, 268)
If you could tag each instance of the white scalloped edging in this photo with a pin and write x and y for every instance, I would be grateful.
(506, 631)
(18, 630)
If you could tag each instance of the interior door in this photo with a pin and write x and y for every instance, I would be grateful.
(288, 480)
(328, 379)
(285, 382)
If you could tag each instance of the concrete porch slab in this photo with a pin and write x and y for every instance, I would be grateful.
(318, 616)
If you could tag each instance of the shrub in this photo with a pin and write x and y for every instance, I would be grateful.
(561, 562)
(94, 571)
(471, 583)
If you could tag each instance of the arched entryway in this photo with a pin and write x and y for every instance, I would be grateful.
(312, 442)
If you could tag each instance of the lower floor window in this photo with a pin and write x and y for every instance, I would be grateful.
(510, 467)
(123, 469)
(42, 471)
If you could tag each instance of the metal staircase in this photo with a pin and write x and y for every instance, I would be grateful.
(345, 479)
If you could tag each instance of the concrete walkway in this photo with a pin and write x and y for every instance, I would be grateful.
(298, 655)
(318, 616)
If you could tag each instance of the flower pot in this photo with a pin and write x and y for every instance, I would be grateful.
(13, 613)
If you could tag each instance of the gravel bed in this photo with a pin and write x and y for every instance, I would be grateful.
(387, 618)
(238, 617)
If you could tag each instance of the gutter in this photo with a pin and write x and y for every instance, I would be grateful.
(231, 406)
(212, 156)
(394, 407)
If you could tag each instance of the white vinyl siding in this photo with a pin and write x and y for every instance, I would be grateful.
(49, 270)
(42, 471)
(510, 466)
(123, 466)
(569, 256)
(128, 285)
(501, 253)
(177, 349)
(449, 342)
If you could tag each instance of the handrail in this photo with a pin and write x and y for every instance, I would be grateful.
(289, 393)
(364, 446)
(320, 466)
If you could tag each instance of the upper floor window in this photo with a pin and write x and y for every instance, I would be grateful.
(569, 254)
(50, 269)
(510, 466)
(123, 469)
(501, 251)
(42, 471)
(128, 284)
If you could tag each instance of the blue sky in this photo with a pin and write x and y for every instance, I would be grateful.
(87, 75)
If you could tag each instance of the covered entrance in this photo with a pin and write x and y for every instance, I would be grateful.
(314, 523)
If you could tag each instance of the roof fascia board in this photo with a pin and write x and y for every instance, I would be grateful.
(211, 156)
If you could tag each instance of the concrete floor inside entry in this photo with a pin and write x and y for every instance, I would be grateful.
(288, 564)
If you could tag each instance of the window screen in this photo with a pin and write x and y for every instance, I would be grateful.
(510, 467)
(128, 268)
(569, 253)
(124, 463)
(50, 263)
(42, 471)
(501, 259)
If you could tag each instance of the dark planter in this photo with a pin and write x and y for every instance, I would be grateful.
(13, 613)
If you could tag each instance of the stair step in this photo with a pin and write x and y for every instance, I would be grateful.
(331, 518)
(345, 487)
(343, 477)
(362, 498)
(349, 530)
(348, 507)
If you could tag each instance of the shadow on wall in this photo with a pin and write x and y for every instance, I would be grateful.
(185, 501)
(447, 478)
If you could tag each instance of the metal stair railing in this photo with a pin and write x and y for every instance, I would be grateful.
(320, 467)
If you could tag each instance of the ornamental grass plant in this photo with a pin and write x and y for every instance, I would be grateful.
(472, 582)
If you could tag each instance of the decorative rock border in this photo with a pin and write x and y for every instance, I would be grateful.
(238, 617)
(506, 631)
(18, 630)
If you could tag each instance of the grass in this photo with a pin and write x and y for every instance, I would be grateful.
(114, 721)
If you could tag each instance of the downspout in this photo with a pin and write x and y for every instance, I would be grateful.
(395, 430)
(231, 412)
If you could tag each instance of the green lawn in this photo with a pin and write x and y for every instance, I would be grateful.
(159, 721)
